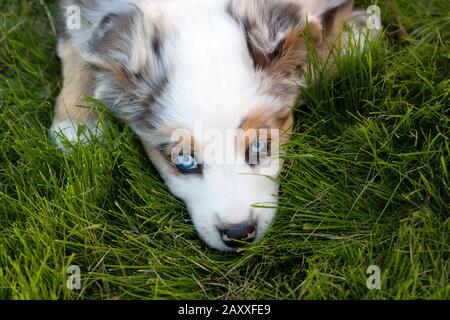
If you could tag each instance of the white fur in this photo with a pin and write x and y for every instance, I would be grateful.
(212, 81)
(72, 132)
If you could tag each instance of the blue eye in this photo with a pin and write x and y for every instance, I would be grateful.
(257, 151)
(186, 163)
(258, 148)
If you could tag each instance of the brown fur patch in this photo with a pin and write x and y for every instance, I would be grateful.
(260, 126)
(275, 35)
(289, 55)
(78, 83)
(332, 20)
(263, 118)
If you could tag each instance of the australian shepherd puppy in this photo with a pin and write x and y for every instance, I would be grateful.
(206, 85)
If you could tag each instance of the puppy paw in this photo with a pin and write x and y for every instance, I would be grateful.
(362, 29)
(68, 132)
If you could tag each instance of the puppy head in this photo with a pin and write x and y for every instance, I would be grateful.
(208, 87)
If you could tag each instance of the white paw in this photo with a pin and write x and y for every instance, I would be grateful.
(68, 131)
(361, 34)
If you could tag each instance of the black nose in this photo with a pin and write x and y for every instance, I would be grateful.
(238, 235)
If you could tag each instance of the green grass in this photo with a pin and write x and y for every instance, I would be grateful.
(366, 182)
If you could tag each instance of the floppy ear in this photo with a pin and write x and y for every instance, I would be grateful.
(274, 31)
(122, 43)
(125, 49)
